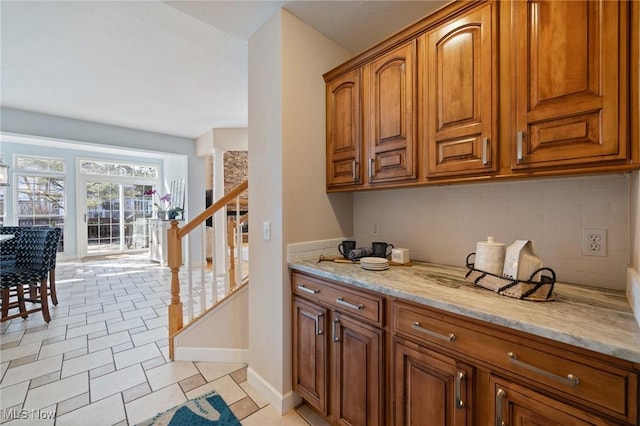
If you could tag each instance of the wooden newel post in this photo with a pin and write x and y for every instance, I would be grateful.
(174, 252)
(231, 242)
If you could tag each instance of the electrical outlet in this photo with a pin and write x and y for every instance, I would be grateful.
(375, 228)
(594, 242)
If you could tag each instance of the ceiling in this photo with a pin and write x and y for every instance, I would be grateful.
(175, 67)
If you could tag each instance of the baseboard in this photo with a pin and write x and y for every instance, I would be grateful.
(633, 292)
(280, 403)
(212, 354)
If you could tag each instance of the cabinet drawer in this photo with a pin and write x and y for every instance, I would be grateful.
(583, 379)
(352, 302)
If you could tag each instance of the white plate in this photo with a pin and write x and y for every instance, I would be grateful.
(376, 268)
(374, 260)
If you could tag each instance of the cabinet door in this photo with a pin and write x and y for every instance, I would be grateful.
(310, 353)
(570, 75)
(458, 87)
(390, 88)
(518, 405)
(344, 139)
(357, 372)
(431, 389)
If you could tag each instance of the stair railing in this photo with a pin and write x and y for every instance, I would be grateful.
(234, 276)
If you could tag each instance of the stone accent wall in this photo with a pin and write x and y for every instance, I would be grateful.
(236, 170)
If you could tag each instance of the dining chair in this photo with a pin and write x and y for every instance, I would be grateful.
(31, 269)
(8, 247)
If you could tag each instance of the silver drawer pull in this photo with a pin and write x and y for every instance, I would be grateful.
(519, 142)
(460, 376)
(336, 337)
(319, 321)
(570, 380)
(416, 326)
(343, 302)
(353, 170)
(307, 289)
(499, 401)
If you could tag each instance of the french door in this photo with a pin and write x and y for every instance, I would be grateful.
(116, 217)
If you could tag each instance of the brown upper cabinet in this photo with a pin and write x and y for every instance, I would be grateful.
(570, 82)
(488, 90)
(390, 111)
(344, 131)
(458, 90)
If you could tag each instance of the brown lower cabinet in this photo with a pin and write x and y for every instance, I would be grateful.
(362, 358)
(338, 354)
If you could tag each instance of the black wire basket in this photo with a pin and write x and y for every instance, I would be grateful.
(538, 290)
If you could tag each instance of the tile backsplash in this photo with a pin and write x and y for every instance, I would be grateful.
(442, 224)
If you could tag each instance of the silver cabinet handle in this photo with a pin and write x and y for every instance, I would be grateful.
(335, 337)
(307, 289)
(371, 171)
(519, 141)
(485, 151)
(416, 326)
(460, 376)
(570, 380)
(353, 170)
(341, 301)
(319, 331)
(499, 401)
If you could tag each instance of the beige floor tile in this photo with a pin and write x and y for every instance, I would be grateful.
(9, 337)
(115, 382)
(39, 336)
(36, 382)
(108, 341)
(115, 327)
(225, 386)
(150, 336)
(267, 416)
(107, 411)
(169, 373)
(68, 345)
(86, 362)
(71, 404)
(215, 370)
(19, 351)
(67, 320)
(29, 371)
(152, 404)
(192, 382)
(3, 368)
(85, 329)
(13, 395)
(136, 355)
(244, 408)
(103, 317)
(57, 391)
(136, 392)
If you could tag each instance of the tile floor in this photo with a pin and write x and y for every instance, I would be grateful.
(103, 358)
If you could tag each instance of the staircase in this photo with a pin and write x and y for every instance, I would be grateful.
(204, 299)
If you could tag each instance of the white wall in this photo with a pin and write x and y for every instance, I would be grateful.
(286, 184)
(443, 224)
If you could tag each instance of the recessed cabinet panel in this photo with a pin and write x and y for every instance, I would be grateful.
(431, 388)
(458, 91)
(357, 367)
(344, 136)
(568, 59)
(390, 115)
(310, 353)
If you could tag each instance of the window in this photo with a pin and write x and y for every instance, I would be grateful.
(104, 168)
(40, 192)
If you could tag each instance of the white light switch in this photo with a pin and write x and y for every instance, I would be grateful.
(266, 231)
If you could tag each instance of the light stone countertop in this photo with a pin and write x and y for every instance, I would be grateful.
(592, 318)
